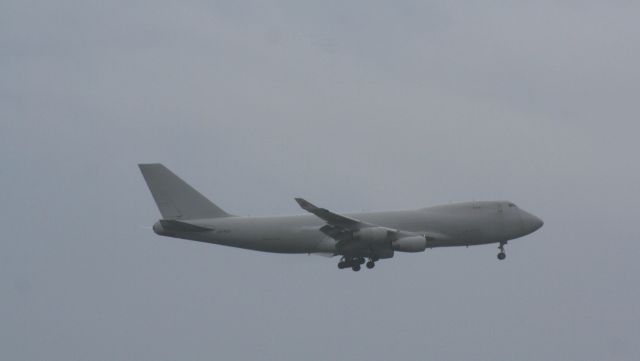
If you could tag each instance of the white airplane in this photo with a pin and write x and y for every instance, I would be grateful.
(187, 214)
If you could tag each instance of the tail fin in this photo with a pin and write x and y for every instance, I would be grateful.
(175, 198)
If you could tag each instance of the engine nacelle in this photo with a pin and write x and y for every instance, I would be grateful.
(410, 244)
(373, 235)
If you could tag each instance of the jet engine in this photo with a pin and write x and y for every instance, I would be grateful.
(410, 244)
(373, 235)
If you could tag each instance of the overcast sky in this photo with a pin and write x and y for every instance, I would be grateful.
(361, 105)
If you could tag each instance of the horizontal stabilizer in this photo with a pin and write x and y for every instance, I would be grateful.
(173, 225)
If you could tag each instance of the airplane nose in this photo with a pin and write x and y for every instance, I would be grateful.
(531, 223)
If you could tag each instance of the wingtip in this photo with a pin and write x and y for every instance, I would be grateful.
(147, 165)
(303, 203)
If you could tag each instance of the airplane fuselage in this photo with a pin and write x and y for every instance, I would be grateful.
(459, 224)
(187, 214)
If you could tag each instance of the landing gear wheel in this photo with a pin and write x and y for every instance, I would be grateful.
(342, 265)
(371, 264)
(356, 268)
(501, 255)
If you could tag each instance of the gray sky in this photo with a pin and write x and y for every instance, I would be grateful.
(356, 106)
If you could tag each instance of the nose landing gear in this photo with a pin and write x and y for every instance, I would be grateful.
(502, 255)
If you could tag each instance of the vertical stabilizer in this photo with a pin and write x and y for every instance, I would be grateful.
(175, 198)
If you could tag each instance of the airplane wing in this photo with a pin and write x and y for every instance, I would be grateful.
(338, 227)
(331, 218)
(363, 239)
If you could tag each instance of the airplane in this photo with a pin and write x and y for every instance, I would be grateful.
(373, 236)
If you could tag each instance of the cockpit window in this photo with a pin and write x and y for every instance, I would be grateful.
(512, 205)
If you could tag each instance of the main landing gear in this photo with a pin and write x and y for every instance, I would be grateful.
(372, 261)
(355, 263)
(502, 255)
